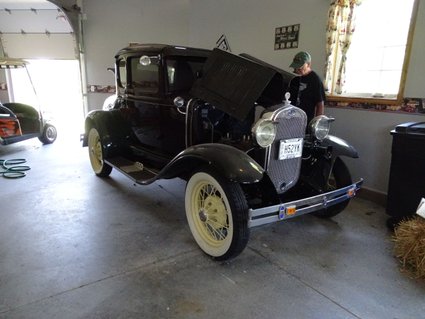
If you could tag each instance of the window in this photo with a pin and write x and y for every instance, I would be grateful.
(144, 78)
(367, 48)
(122, 73)
(183, 72)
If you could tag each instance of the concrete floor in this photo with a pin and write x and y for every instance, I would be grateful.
(73, 245)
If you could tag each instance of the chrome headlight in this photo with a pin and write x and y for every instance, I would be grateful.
(264, 132)
(320, 126)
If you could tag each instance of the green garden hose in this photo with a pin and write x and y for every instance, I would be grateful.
(13, 169)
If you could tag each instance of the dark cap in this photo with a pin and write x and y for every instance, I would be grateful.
(300, 59)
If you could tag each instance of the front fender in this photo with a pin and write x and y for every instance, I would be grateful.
(232, 163)
(340, 147)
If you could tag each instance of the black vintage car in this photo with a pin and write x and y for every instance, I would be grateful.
(20, 121)
(222, 123)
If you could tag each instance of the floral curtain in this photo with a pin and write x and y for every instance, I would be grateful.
(339, 31)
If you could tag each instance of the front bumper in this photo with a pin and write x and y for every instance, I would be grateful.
(270, 214)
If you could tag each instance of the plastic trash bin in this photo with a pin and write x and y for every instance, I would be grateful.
(406, 184)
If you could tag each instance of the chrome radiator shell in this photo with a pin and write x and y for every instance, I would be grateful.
(291, 123)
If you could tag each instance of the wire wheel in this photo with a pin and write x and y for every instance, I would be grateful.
(96, 154)
(217, 215)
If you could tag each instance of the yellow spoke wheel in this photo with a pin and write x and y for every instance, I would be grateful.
(96, 154)
(216, 211)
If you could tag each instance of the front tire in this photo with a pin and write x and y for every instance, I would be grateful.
(339, 177)
(217, 213)
(95, 147)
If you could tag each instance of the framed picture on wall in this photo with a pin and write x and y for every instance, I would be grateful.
(286, 37)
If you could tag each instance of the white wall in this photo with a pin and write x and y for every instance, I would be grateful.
(249, 27)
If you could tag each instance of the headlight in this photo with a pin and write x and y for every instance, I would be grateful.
(320, 125)
(264, 132)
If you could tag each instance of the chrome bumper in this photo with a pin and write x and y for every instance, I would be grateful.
(266, 215)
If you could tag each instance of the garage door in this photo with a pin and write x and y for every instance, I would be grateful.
(35, 29)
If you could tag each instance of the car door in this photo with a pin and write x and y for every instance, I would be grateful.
(157, 123)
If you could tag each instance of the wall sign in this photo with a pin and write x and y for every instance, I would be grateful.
(223, 44)
(286, 37)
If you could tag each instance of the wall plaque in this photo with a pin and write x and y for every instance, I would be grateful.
(286, 37)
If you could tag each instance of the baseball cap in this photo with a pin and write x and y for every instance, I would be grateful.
(300, 59)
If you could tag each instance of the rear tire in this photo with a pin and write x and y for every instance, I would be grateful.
(217, 213)
(49, 134)
(95, 147)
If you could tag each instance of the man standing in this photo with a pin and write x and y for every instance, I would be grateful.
(307, 91)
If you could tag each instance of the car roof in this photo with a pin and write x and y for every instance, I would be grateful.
(165, 49)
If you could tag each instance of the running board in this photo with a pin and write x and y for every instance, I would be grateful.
(133, 170)
(14, 139)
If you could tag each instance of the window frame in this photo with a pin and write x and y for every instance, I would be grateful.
(332, 97)
(121, 76)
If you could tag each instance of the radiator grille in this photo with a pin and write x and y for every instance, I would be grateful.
(292, 122)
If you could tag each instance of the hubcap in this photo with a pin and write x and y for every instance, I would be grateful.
(50, 133)
(203, 216)
(212, 213)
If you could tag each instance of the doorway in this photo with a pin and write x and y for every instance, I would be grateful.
(57, 86)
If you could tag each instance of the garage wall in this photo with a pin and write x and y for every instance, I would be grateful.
(249, 26)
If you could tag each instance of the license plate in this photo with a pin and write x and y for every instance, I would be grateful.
(291, 148)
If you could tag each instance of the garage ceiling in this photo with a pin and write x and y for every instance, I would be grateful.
(36, 29)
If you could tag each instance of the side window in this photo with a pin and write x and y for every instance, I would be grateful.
(144, 78)
(122, 73)
(171, 73)
(183, 72)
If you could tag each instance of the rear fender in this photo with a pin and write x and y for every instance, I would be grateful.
(112, 128)
(233, 164)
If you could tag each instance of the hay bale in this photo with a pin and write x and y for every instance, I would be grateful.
(409, 239)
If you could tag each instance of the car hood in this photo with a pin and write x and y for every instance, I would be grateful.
(235, 83)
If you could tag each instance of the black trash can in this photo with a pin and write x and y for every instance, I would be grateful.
(406, 184)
